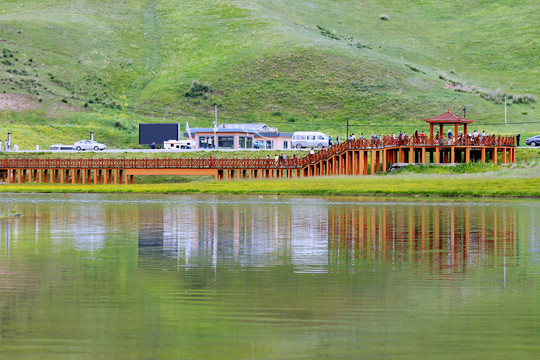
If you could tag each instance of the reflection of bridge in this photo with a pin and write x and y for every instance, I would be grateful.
(439, 238)
(357, 157)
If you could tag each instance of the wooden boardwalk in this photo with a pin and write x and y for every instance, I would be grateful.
(357, 157)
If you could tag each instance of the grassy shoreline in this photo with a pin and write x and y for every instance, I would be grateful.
(523, 184)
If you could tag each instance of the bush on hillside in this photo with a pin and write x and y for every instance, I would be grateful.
(197, 90)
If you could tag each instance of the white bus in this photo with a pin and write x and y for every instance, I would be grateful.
(309, 139)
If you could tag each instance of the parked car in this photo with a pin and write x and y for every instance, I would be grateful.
(309, 139)
(88, 145)
(533, 141)
(61, 147)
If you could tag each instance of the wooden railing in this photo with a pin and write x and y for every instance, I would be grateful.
(290, 163)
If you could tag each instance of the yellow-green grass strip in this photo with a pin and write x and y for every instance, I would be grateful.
(432, 185)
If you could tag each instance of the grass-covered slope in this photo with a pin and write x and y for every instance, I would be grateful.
(70, 67)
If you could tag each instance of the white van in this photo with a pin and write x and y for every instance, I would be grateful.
(309, 139)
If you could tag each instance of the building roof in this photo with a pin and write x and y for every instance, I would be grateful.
(258, 130)
(448, 118)
(247, 127)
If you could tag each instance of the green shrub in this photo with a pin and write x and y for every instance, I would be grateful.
(197, 90)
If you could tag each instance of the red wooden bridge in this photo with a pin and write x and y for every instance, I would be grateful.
(356, 157)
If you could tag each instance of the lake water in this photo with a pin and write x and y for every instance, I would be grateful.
(235, 277)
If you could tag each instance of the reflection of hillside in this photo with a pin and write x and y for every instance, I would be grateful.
(449, 238)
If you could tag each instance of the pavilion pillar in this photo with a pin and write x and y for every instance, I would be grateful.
(423, 155)
(384, 160)
(467, 155)
(437, 155)
(494, 155)
(455, 130)
(411, 155)
(440, 130)
(504, 155)
(465, 130)
(452, 155)
(483, 155)
(361, 162)
(377, 160)
(431, 130)
(372, 162)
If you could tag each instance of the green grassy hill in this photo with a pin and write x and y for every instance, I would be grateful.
(70, 67)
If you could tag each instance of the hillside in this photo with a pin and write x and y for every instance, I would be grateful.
(70, 67)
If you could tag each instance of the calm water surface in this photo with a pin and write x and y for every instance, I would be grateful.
(219, 277)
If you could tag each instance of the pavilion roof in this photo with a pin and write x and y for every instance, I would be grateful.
(448, 118)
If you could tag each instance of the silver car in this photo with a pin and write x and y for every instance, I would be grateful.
(533, 141)
(88, 145)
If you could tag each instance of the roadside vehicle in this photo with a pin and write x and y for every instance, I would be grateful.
(88, 145)
(533, 141)
(309, 139)
(61, 147)
(179, 144)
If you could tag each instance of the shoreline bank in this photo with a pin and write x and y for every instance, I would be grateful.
(521, 185)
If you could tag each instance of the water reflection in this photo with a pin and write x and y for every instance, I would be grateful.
(312, 235)
(439, 238)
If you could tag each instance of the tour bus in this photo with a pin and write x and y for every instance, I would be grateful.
(309, 139)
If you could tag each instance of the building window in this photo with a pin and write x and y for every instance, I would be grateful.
(226, 142)
(269, 144)
(285, 145)
(245, 142)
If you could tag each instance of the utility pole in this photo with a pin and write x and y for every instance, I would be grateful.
(215, 127)
(464, 112)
